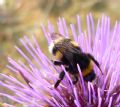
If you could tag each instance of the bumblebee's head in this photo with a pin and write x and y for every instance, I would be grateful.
(60, 45)
(56, 38)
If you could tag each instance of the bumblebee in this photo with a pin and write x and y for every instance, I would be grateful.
(69, 54)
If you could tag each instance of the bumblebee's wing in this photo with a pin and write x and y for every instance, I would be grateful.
(67, 48)
(69, 52)
(65, 51)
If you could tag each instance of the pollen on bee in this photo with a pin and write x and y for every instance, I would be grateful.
(58, 55)
(51, 47)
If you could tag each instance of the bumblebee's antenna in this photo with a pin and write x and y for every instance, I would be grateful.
(98, 65)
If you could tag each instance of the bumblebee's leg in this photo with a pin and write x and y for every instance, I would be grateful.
(75, 79)
(61, 76)
(98, 65)
(57, 62)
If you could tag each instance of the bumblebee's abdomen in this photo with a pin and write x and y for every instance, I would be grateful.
(90, 77)
(88, 73)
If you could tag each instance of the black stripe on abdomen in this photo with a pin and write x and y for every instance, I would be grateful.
(90, 77)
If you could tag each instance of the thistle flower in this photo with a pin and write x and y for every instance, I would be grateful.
(102, 41)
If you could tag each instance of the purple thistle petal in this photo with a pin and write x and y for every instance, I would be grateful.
(46, 34)
(76, 97)
(79, 26)
(11, 97)
(72, 26)
(92, 24)
(93, 93)
(35, 54)
(40, 74)
(110, 102)
(56, 102)
(90, 36)
(118, 99)
(82, 81)
(99, 98)
(50, 27)
(13, 80)
(65, 27)
(60, 26)
(89, 93)
(11, 68)
(67, 76)
(23, 55)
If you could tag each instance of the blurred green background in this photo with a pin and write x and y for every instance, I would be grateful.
(23, 17)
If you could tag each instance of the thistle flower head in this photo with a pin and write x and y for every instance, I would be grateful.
(39, 74)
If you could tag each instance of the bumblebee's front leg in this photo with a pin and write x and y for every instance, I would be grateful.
(61, 76)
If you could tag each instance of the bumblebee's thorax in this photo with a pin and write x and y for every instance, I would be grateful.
(58, 45)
